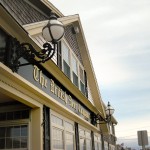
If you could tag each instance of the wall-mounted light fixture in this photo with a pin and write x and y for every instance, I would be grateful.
(109, 112)
(52, 33)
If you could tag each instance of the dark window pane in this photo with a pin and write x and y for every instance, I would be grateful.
(24, 131)
(8, 142)
(3, 38)
(75, 79)
(17, 115)
(25, 114)
(82, 87)
(16, 131)
(66, 69)
(23, 142)
(10, 115)
(2, 116)
(2, 132)
(13, 137)
(9, 132)
(16, 142)
(2, 143)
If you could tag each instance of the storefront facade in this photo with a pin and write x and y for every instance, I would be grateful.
(53, 105)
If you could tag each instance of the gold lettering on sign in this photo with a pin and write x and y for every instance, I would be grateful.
(59, 92)
(36, 73)
(83, 112)
(52, 86)
(38, 76)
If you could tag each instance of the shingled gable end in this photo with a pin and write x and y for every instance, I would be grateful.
(45, 98)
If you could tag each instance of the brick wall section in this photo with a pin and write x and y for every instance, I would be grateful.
(72, 40)
(22, 11)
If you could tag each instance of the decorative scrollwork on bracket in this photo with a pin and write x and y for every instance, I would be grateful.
(27, 51)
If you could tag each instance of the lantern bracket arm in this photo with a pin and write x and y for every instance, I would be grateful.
(26, 50)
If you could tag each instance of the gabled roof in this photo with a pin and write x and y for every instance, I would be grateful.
(36, 28)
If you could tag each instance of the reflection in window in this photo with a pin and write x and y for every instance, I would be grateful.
(66, 69)
(65, 53)
(74, 65)
(82, 144)
(85, 139)
(81, 132)
(75, 71)
(69, 141)
(3, 42)
(97, 142)
(13, 137)
(57, 120)
(69, 126)
(66, 60)
(88, 144)
(62, 134)
(58, 142)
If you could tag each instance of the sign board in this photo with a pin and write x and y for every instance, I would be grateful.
(142, 138)
(48, 84)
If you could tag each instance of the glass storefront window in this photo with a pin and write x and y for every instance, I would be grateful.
(88, 144)
(14, 137)
(81, 132)
(57, 120)
(69, 126)
(85, 139)
(62, 133)
(69, 141)
(58, 142)
(82, 144)
(97, 142)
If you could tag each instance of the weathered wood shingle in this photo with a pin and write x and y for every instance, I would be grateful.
(72, 40)
(23, 12)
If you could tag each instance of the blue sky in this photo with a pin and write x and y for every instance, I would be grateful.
(118, 37)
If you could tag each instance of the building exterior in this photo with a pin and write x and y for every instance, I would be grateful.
(51, 105)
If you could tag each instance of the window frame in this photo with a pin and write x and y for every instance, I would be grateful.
(98, 141)
(62, 128)
(85, 137)
(69, 58)
(79, 65)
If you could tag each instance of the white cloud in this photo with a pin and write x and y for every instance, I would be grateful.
(118, 37)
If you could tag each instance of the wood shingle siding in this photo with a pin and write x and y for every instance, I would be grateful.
(72, 40)
(23, 12)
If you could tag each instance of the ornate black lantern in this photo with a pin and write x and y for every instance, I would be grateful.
(52, 33)
(109, 112)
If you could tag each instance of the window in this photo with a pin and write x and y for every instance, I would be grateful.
(73, 68)
(12, 137)
(66, 59)
(16, 115)
(97, 142)
(58, 140)
(84, 139)
(3, 43)
(62, 133)
(69, 141)
(105, 145)
(82, 80)
(75, 71)
(14, 130)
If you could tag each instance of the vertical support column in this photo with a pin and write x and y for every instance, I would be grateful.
(102, 139)
(92, 138)
(77, 136)
(46, 128)
(36, 134)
